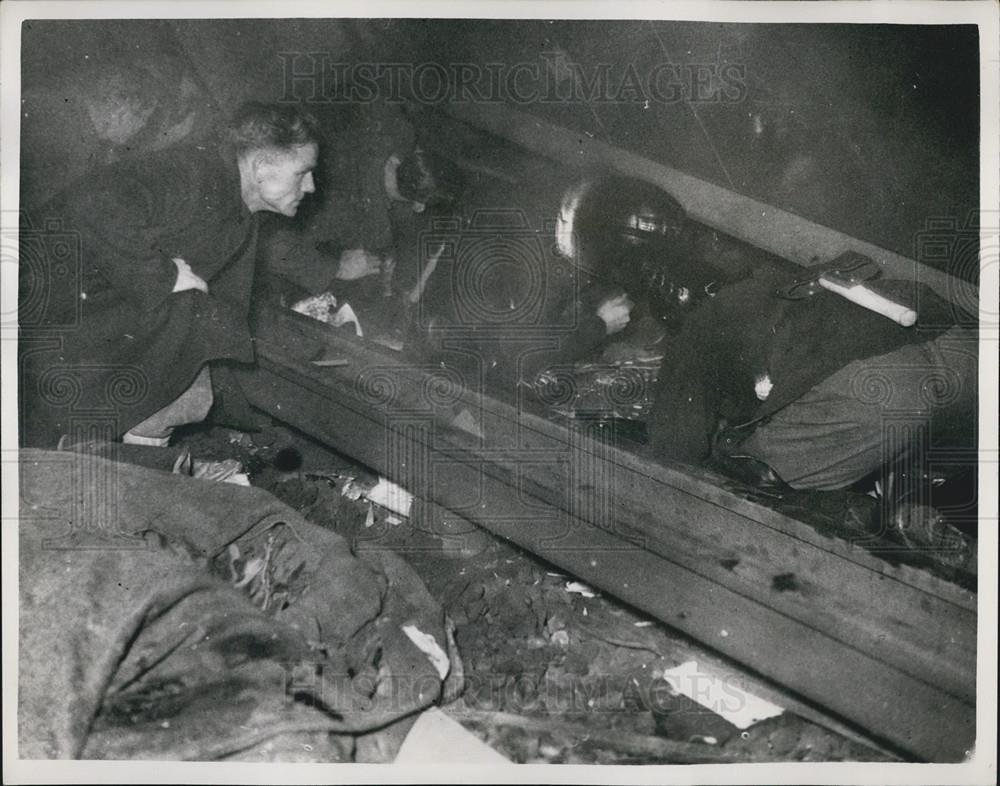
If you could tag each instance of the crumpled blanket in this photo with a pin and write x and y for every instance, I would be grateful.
(166, 617)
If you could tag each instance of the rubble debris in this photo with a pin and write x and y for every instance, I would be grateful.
(588, 679)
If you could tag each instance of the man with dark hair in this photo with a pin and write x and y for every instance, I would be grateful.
(167, 251)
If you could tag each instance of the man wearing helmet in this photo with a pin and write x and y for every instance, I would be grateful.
(630, 241)
(637, 272)
(810, 392)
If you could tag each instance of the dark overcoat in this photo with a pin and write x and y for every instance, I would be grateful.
(104, 339)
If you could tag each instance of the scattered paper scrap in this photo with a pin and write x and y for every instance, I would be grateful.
(579, 588)
(392, 497)
(467, 422)
(345, 315)
(436, 738)
(428, 645)
(226, 471)
(324, 308)
(332, 362)
(352, 491)
(763, 386)
(724, 696)
(319, 307)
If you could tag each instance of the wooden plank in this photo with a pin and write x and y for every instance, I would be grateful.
(764, 226)
(889, 648)
(289, 335)
(793, 568)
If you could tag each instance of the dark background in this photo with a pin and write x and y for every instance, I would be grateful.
(870, 129)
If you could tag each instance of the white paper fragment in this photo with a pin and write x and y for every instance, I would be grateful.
(467, 422)
(428, 645)
(345, 315)
(579, 588)
(395, 521)
(319, 307)
(762, 386)
(642, 624)
(352, 491)
(392, 497)
(724, 696)
(436, 738)
(370, 517)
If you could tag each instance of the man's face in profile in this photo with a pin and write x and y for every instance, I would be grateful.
(284, 177)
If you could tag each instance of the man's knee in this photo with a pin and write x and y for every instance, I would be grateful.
(872, 411)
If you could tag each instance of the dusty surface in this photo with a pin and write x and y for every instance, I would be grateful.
(554, 670)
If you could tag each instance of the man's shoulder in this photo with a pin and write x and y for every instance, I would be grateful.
(163, 187)
(175, 175)
(760, 294)
(747, 298)
(194, 162)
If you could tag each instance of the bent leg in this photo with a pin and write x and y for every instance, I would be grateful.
(191, 406)
(871, 411)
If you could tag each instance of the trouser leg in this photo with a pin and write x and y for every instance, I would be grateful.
(871, 411)
(191, 406)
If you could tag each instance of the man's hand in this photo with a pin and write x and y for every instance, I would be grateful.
(357, 263)
(615, 311)
(187, 278)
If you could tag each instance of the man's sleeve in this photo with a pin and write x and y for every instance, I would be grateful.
(121, 222)
(588, 333)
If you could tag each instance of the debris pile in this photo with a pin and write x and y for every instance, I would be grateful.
(554, 671)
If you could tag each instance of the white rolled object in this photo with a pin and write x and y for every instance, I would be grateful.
(418, 290)
(867, 298)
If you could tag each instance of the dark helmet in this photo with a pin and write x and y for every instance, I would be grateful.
(630, 235)
(617, 228)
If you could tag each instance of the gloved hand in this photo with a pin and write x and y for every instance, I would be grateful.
(357, 263)
(187, 278)
(615, 312)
